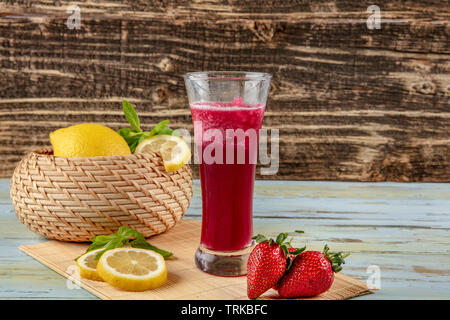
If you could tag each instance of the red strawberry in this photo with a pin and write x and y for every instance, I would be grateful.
(312, 273)
(293, 252)
(266, 264)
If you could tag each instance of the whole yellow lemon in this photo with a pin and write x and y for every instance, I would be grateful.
(87, 140)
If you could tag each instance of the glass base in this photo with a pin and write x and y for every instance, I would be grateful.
(226, 264)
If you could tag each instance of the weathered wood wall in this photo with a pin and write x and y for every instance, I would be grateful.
(351, 103)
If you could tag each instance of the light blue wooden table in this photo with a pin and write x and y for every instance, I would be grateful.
(404, 229)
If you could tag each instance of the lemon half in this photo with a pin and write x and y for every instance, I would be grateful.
(88, 140)
(133, 269)
(174, 150)
(88, 265)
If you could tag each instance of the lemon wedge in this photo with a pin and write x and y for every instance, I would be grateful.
(174, 150)
(133, 269)
(88, 265)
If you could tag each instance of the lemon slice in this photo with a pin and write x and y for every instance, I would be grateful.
(133, 269)
(174, 151)
(88, 265)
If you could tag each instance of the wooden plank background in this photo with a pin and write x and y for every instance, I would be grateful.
(351, 103)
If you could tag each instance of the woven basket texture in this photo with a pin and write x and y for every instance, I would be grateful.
(75, 199)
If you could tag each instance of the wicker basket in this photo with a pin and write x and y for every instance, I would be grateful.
(75, 199)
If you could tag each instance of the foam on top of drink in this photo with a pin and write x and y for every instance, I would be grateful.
(237, 103)
(228, 115)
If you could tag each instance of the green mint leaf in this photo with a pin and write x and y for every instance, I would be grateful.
(126, 232)
(133, 136)
(97, 245)
(134, 139)
(101, 239)
(121, 238)
(141, 138)
(124, 132)
(143, 244)
(176, 133)
(133, 146)
(166, 130)
(131, 115)
(160, 126)
(114, 243)
(145, 134)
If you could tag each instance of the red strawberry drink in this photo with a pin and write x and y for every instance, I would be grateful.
(227, 187)
(227, 111)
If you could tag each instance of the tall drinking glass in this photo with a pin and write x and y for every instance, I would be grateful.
(227, 111)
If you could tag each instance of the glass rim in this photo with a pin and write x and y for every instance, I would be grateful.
(227, 75)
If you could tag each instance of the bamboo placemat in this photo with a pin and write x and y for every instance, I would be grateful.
(185, 281)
